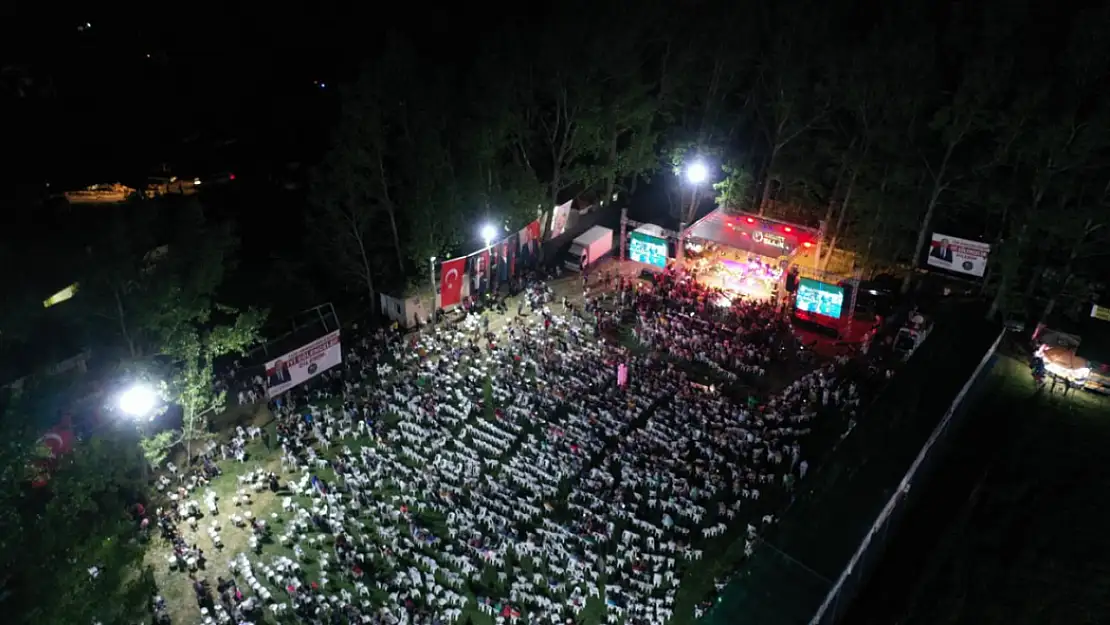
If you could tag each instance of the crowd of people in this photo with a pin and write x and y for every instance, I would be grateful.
(509, 471)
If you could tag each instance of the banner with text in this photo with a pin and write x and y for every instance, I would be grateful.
(302, 364)
(960, 255)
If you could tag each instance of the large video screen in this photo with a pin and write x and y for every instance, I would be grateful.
(648, 249)
(819, 298)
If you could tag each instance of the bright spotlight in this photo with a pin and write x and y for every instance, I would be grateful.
(488, 232)
(697, 172)
(137, 401)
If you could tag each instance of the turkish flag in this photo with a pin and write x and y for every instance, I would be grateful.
(59, 440)
(450, 282)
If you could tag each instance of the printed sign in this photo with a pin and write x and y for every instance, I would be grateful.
(769, 238)
(302, 364)
(959, 255)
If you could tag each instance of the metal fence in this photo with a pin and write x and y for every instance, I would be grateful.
(871, 548)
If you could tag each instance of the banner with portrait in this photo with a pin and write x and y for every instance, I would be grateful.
(302, 364)
(959, 255)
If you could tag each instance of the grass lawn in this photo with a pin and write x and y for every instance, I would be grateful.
(1030, 544)
(721, 553)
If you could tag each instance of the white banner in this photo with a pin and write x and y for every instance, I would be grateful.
(959, 255)
(302, 364)
(559, 219)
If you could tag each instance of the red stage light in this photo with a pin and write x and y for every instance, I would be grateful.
(807, 244)
(231, 177)
(787, 229)
(750, 220)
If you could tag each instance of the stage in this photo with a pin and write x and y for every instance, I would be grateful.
(755, 278)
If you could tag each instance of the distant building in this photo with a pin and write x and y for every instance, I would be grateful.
(158, 186)
(113, 193)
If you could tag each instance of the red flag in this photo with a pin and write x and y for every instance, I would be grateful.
(59, 440)
(450, 282)
(530, 233)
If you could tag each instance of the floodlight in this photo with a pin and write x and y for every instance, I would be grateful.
(137, 401)
(488, 232)
(697, 172)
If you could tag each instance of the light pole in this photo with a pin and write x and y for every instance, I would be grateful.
(696, 173)
(488, 233)
(432, 275)
(138, 402)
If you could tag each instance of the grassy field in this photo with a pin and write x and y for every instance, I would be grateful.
(1029, 545)
(722, 553)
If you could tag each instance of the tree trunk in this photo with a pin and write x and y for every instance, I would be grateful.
(396, 241)
(366, 274)
(835, 191)
(704, 133)
(927, 218)
(767, 182)
(876, 221)
(1088, 228)
(131, 348)
(611, 183)
(1051, 305)
(188, 442)
(1007, 273)
(1034, 280)
(556, 181)
(391, 209)
(840, 220)
(844, 208)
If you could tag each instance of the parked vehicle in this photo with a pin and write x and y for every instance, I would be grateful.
(588, 248)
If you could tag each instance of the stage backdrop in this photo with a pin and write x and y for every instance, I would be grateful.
(959, 255)
(302, 364)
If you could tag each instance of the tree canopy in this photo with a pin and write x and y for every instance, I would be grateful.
(884, 123)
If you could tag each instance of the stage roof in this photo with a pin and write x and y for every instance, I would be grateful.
(752, 233)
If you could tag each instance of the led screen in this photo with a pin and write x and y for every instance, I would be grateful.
(648, 249)
(819, 298)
